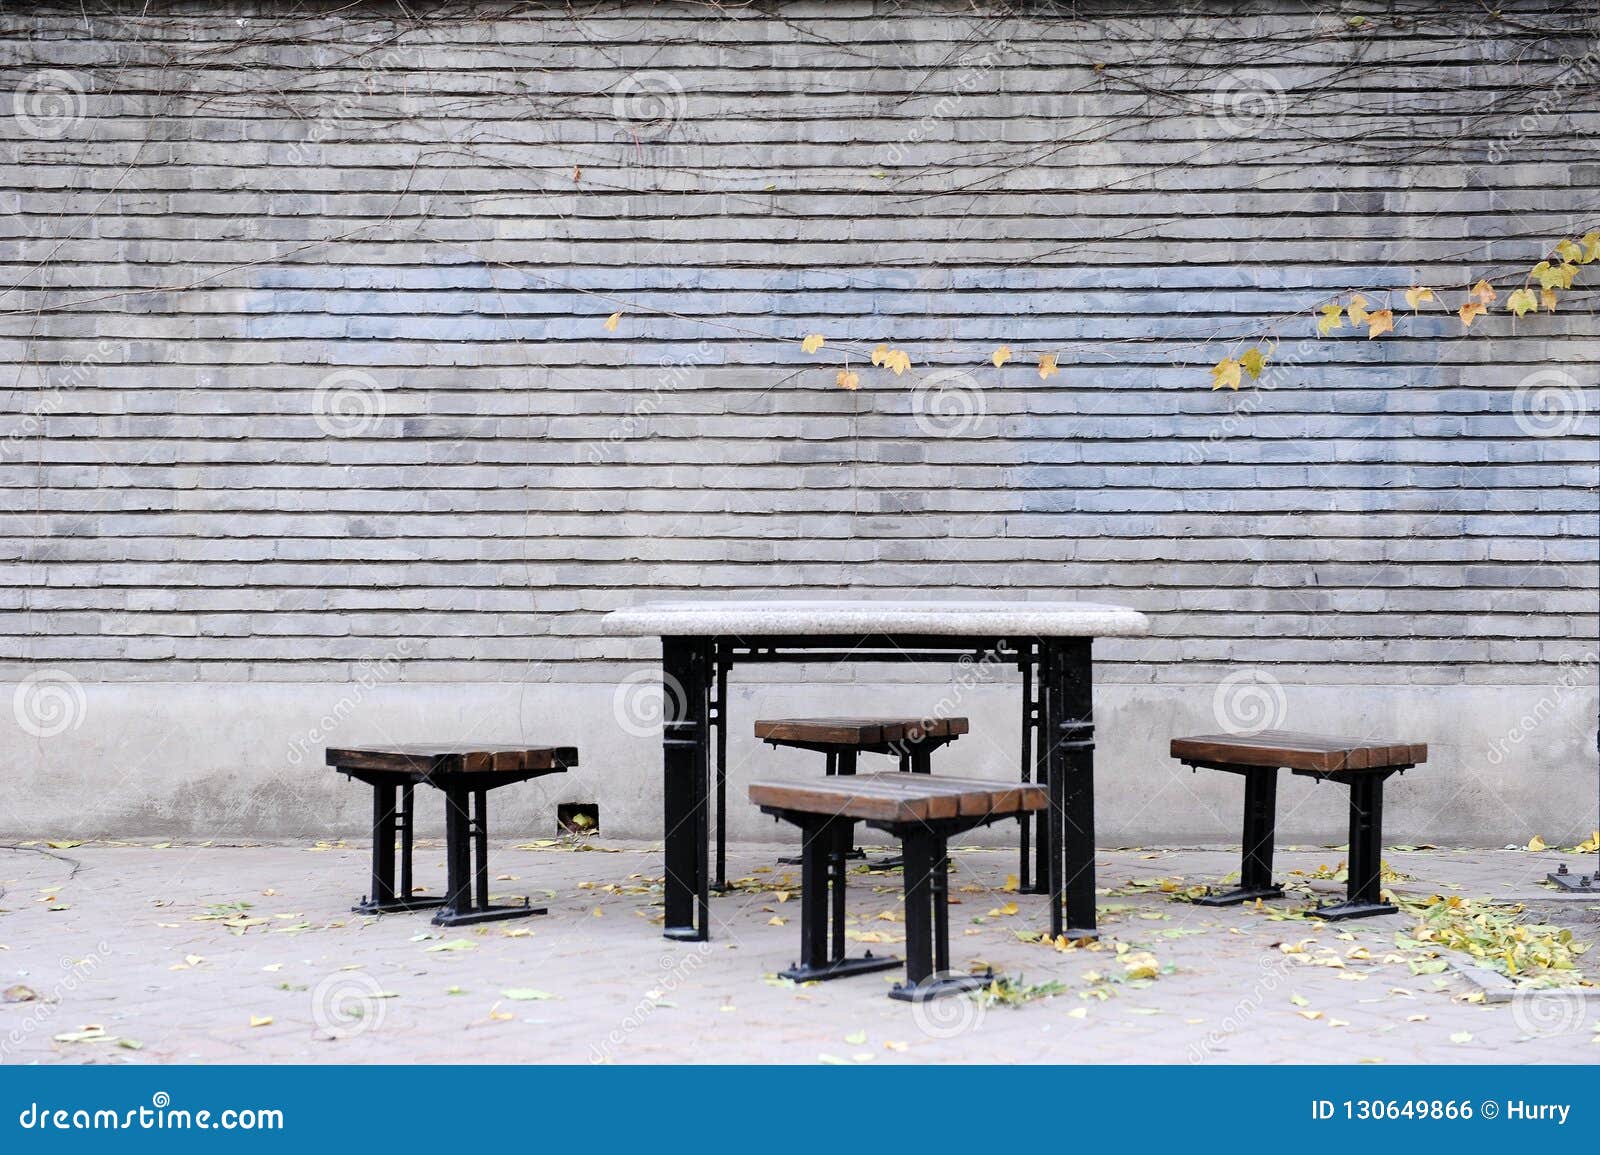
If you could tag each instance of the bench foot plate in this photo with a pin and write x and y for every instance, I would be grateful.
(843, 968)
(480, 914)
(1576, 883)
(1345, 910)
(1241, 894)
(939, 986)
(368, 906)
(856, 852)
(685, 934)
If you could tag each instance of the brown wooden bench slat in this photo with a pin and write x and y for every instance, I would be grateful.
(1317, 753)
(893, 797)
(421, 759)
(856, 731)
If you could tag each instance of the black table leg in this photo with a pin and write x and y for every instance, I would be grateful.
(719, 716)
(1033, 872)
(685, 666)
(1068, 700)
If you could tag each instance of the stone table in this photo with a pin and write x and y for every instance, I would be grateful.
(1048, 641)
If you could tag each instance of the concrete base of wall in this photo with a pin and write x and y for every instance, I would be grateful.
(244, 760)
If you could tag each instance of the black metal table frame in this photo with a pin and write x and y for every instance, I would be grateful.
(1057, 702)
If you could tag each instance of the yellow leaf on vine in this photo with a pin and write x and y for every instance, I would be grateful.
(1484, 293)
(1331, 319)
(1568, 272)
(1549, 276)
(1253, 362)
(1591, 248)
(1547, 298)
(897, 360)
(1416, 295)
(1358, 310)
(1001, 356)
(1521, 301)
(1047, 366)
(848, 379)
(1568, 251)
(1380, 322)
(880, 354)
(611, 322)
(1225, 372)
(1470, 310)
(812, 343)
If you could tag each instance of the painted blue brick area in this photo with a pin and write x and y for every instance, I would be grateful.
(304, 345)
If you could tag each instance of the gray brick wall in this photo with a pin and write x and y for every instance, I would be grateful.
(303, 346)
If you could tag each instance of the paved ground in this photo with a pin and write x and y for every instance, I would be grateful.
(162, 954)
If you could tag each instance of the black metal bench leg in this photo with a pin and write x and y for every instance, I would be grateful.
(822, 901)
(383, 846)
(1260, 829)
(466, 854)
(836, 883)
(928, 923)
(480, 837)
(408, 804)
(1363, 891)
(386, 823)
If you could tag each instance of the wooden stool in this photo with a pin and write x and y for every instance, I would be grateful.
(923, 813)
(1359, 763)
(912, 740)
(842, 740)
(465, 775)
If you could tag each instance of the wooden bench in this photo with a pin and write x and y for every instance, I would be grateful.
(923, 813)
(1360, 763)
(912, 740)
(843, 740)
(464, 774)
